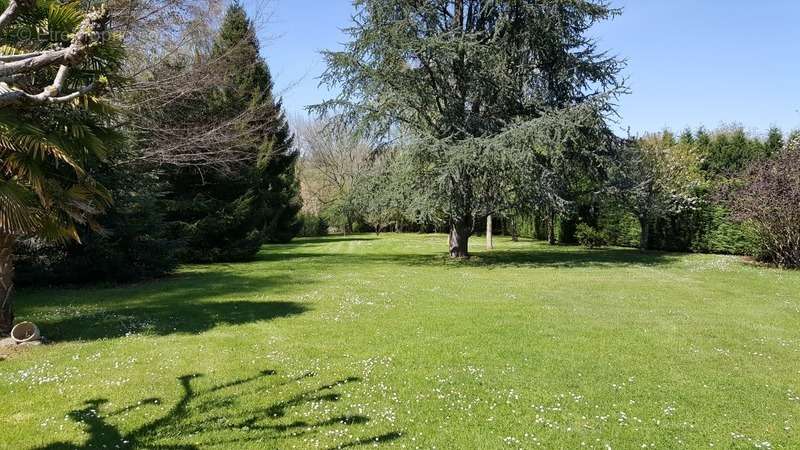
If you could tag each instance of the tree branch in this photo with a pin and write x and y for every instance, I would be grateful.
(11, 12)
(12, 58)
(91, 32)
(50, 94)
(11, 97)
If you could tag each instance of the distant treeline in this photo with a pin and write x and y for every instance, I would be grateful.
(716, 159)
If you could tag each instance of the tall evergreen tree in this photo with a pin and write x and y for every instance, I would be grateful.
(228, 215)
(277, 189)
(774, 142)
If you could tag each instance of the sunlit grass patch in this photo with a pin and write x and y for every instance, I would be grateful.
(360, 341)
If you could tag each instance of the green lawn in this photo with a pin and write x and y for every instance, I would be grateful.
(344, 342)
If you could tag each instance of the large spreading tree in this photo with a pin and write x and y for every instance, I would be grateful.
(486, 92)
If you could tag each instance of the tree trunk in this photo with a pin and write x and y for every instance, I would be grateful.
(6, 283)
(551, 228)
(459, 238)
(644, 236)
(514, 234)
(540, 227)
(458, 14)
(489, 242)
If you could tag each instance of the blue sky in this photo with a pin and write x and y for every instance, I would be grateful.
(690, 63)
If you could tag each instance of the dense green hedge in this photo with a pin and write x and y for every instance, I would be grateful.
(719, 234)
(704, 230)
(622, 228)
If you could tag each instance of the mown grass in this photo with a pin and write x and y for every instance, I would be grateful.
(360, 341)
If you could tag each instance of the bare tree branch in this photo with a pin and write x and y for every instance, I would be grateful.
(90, 33)
(331, 161)
(11, 58)
(11, 11)
(171, 84)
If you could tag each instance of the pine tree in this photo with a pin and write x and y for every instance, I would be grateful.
(277, 190)
(774, 142)
(226, 216)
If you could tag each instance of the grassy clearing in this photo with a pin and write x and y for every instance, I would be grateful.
(358, 341)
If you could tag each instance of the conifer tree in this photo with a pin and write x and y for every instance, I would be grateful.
(496, 99)
(774, 142)
(277, 189)
(228, 215)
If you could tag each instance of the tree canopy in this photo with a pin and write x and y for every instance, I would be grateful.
(455, 77)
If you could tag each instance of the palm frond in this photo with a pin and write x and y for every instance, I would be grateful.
(62, 19)
(19, 212)
(45, 152)
(53, 230)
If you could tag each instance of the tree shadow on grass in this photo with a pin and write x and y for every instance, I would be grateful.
(326, 240)
(228, 414)
(570, 257)
(536, 257)
(161, 320)
(188, 303)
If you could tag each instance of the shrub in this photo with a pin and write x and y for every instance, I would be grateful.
(769, 199)
(590, 237)
(622, 228)
(718, 233)
(313, 225)
(133, 245)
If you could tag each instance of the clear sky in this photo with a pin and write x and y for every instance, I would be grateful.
(690, 62)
